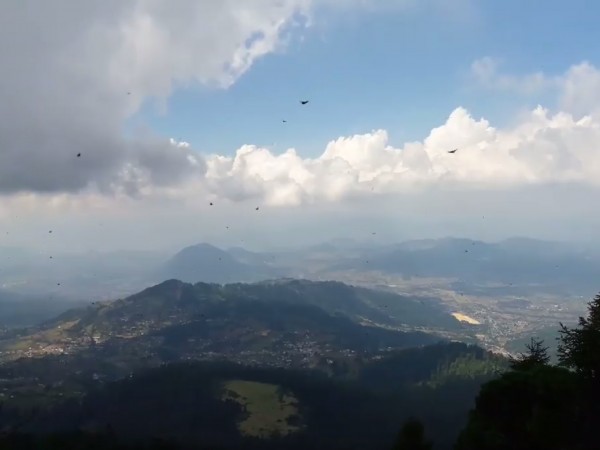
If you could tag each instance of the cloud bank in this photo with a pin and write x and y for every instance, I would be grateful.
(73, 74)
(542, 148)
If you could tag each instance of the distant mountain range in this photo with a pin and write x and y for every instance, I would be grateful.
(515, 260)
(542, 265)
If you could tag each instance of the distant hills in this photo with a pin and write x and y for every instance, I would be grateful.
(536, 264)
(209, 264)
(517, 261)
(360, 304)
(280, 323)
(206, 263)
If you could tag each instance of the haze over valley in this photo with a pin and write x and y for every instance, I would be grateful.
(299, 224)
(502, 290)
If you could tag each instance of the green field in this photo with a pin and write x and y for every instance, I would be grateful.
(268, 409)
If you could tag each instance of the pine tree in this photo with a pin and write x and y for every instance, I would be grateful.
(537, 355)
(579, 348)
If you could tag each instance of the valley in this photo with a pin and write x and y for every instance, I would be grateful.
(282, 350)
(438, 273)
(515, 311)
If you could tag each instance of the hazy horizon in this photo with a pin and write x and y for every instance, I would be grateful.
(482, 215)
(360, 239)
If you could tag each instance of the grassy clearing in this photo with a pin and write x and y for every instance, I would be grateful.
(268, 410)
(465, 318)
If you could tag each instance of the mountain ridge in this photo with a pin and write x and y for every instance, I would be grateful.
(258, 320)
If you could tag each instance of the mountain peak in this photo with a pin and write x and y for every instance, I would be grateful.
(201, 247)
(205, 263)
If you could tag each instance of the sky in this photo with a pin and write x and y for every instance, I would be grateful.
(174, 105)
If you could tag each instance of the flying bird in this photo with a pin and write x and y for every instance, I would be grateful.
(257, 208)
(211, 203)
(284, 121)
(452, 151)
(79, 155)
(303, 102)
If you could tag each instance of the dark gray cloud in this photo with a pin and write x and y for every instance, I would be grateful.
(67, 69)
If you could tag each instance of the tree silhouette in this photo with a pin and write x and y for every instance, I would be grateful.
(579, 350)
(412, 437)
(536, 355)
(530, 409)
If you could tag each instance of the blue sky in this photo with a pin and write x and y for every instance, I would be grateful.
(400, 71)
(403, 69)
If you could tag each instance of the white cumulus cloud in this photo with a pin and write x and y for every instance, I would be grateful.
(543, 148)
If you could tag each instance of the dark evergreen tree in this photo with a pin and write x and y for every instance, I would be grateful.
(412, 437)
(536, 355)
(530, 409)
(579, 350)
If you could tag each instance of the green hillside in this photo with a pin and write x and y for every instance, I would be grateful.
(286, 323)
(258, 407)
